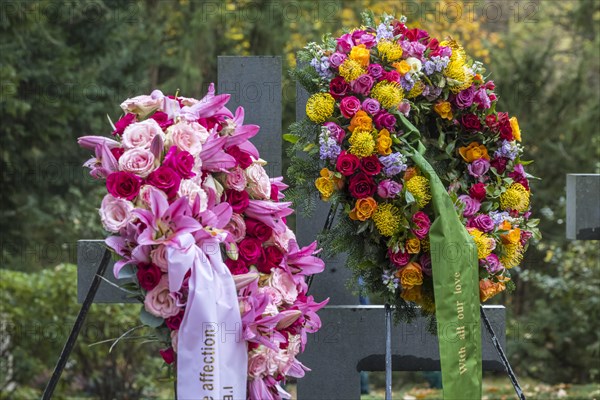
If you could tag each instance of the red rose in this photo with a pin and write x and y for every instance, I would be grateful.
(173, 323)
(362, 186)
(210, 123)
(123, 123)
(500, 164)
(124, 185)
(168, 355)
(243, 158)
(347, 163)
(272, 259)
(162, 119)
(391, 76)
(338, 87)
(181, 162)
(117, 152)
(148, 276)
(370, 165)
(239, 200)
(250, 250)
(166, 179)
(506, 132)
(477, 191)
(492, 122)
(237, 267)
(258, 230)
(471, 122)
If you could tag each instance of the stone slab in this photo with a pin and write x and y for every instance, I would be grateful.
(583, 206)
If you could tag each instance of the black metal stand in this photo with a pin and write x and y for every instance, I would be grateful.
(388, 352)
(85, 307)
(503, 358)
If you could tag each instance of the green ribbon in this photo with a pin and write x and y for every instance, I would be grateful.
(456, 287)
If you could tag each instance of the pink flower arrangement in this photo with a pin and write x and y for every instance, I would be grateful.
(180, 171)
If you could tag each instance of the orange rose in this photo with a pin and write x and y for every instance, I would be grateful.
(409, 173)
(410, 275)
(360, 54)
(402, 67)
(384, 143)
(512, 237)
(413, 294)
(444, 109)
(413, 246)
(363, 209)
(488, 289)
(361, 121)
(473, 151)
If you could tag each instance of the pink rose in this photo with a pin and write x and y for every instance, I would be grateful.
(236, 179)
(141, 105)
(283, 282)
(123, 185)
(236, 228)
(335, 131)
(349, 106)
(422, 224)
(187, 136)
(257, 364)
(138, 161)
(259, 184)
(471, 205)
(140, 134)
(192, 190)
(363, 84)
(143, 200)
(388, 189)
(159, 301)
(336, 59)
(159, 257)
(399, 259)
(115, 213)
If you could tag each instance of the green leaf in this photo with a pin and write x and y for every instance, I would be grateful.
(289, 137)
(126, 272)
(149, 319)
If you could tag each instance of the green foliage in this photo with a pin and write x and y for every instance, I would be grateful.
(36, 314)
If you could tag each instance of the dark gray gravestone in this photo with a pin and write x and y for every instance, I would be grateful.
(583, 206)
(255, 84)
(332, 282)
(352, 340)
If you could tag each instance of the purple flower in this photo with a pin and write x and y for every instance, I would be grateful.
(433, 92)
(507, 150)
(367, 39)
(322, 67)
(336, 59)
(499, 217)
(371, 106)
(436, 64)
(363, 84)
(329, 148)
(483, 222)
(384, 119)
(482, 98)
(471, 205)
(384, 32)
(425, 262)
(493, 264)
(345, 43)
(412, 49)
(404, 107)
(335, 131)
(479, 167)
(465, 98)
(388, 189)
(407, 82)
(393, 164)
(375, 70)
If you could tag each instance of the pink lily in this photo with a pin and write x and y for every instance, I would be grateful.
(280, 185)
(91, 142)
(165, 223)
(241, 134)
(302, 260)
(103, 164)
(168, 106)
(213, 157)
(262, 331)
(309, 308)
(269, 213)
(210, 105)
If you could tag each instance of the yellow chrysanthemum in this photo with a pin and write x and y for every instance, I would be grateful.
(387, 219)
(514, 124)
(460, 75)
(389, 51)
(416, 90)
(319, 107)
(362, 143)
(425, 245)
(389, 94)
(484, 243)
(418, 186)
(516, 197)
(350, 70)
(512, 255)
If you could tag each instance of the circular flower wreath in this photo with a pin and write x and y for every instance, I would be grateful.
(180, 165)
(369, 88)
